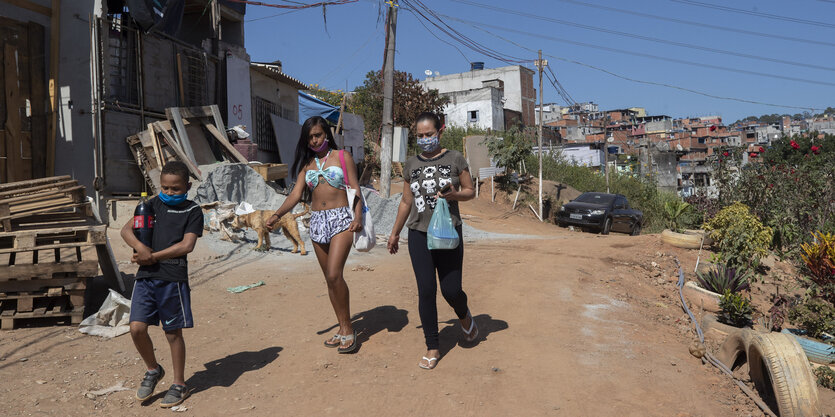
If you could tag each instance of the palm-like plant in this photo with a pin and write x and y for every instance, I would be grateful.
(675, 211)
(722, 277)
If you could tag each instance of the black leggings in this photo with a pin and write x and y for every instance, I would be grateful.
(448, 265)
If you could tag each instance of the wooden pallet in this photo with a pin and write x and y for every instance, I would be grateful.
(22, 200)
(25, 301)
(61, 262)
(69, 282)
(60, 237)
(11, 186)
(42, 307)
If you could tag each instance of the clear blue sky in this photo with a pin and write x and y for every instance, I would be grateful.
(353, 43)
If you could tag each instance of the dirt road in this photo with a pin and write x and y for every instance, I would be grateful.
(572, 324)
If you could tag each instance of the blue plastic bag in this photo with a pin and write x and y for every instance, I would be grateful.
(441, 233)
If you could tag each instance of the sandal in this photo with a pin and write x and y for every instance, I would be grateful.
(352, 347)
(431, 363)
(472, 333)
(334, 341)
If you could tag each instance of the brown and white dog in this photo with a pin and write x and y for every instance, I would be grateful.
(257, 221)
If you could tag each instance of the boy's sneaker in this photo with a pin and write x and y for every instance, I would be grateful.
(146, 387)
(175, 396)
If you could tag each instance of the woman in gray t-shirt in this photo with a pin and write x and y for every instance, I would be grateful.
(425, 175)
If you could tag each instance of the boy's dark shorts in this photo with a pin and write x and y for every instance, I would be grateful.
(156, 300)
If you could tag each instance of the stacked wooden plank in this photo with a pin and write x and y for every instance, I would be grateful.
(48, 249)
(192, 135)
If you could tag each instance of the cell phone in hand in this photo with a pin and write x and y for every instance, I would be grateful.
(446, 188)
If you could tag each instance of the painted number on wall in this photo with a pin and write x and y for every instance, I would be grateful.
(238, 111)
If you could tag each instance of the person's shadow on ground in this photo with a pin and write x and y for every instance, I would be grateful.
(225, 371)
(370, 322)
(452, 335)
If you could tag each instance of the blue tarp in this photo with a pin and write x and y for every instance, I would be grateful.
(310, 106)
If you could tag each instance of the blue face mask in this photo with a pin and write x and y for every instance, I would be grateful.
(172, 200)
(429, 144)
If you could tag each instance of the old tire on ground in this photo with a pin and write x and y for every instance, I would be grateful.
(780, 371)
(607, 226)
(700, 297)
(692, 239)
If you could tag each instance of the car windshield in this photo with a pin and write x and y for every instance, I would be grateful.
(602, 199)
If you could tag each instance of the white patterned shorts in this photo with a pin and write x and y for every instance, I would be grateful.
(325, 224)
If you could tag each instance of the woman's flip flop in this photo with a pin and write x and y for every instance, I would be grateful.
(431, 363)
(352, 347)
(472, 333)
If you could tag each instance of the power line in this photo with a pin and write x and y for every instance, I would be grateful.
(753, 13)
(645, 55)
(702, 25)
(559, 87)
(654, 83)
(298, 5)
(645, 38)
(349, 59)
(418, 18)
(272, 15)
(422, 10)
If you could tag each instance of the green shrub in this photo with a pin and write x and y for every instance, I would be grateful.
(816, 316)
(510, 148)
(736, 309)
(826, 377)
(676, 213)
(739, 235)
(790, 187)
(721, 277)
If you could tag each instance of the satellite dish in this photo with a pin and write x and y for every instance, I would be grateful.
(679, 148)
(428, 73)
(610, 139)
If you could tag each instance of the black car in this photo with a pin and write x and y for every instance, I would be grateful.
(601, 212)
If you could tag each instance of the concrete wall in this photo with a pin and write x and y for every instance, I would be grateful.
(487, 101)
(518, 86)
(277, 92)
(659, 126)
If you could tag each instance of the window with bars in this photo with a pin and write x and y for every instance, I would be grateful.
(263, 134)
(193, 66)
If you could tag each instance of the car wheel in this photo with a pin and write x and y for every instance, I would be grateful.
(607, 225)
(562, 224)
(636, 229)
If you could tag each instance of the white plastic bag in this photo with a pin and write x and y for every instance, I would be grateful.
(112, 319)
(364, 240)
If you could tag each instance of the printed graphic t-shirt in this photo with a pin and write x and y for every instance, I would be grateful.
(426, 177)
(170, 225)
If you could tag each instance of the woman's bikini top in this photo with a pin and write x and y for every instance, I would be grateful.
(333, 175)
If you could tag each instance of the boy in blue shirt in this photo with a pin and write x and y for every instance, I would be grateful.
(161, 292)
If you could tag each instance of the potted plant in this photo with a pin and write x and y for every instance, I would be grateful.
(712, 283)
(735, 309)
(677, 214)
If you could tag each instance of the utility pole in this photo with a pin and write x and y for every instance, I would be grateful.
(388, 98)
(540, 64)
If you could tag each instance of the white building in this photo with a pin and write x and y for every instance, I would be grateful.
(473, 97)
